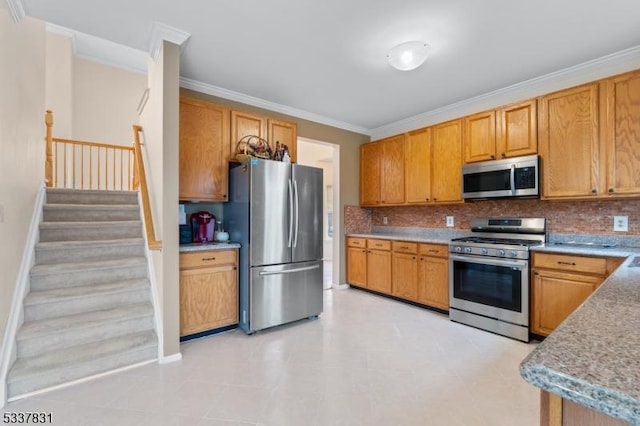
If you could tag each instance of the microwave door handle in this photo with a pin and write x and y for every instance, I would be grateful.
(513, 179)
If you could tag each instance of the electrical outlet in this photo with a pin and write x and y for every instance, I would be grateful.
(385, 220)
(449, 221)
(621, 223)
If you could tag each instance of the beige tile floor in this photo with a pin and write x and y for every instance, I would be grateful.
(366, 361)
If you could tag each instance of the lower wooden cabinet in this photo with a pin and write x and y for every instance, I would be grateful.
(208, 290)
(560, 283)
(433, 276)
(407, 270)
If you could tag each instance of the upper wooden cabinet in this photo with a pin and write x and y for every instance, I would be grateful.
(446, 163)
(286, 133)
(569, 143)
(417, 167)
(510, 131)
(382, 172)
(204, 151)
(622, 134)
(246, 124)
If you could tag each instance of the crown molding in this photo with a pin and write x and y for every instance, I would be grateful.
(605, 66)
(162, 32)
(17, 10)
(272, 106)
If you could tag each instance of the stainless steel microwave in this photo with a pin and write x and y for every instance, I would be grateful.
(511, 177)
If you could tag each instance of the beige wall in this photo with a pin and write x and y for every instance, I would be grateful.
(105, 101)
(59, 83)
(22, 105)
(349, 143)
(160, 123)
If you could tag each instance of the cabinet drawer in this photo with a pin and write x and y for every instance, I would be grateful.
(379, 244)
(438, 250)
(405, 247)
(202, 259)
(356, 242)
(589, 265)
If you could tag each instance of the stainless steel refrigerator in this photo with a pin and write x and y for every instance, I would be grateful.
(275, 213)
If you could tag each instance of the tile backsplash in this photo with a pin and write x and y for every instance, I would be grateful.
(563, 217)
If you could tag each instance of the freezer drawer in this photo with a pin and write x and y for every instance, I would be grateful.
(280, 294)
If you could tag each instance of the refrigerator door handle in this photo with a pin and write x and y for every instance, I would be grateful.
(289, 271)
(290, 215)
(295, 190)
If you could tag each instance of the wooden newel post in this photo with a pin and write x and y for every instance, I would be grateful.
(48, 162)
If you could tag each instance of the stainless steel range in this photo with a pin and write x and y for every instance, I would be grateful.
(489, 275)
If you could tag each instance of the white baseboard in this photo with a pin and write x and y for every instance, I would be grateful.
(340, 286)
(170, 358)
(7, 353)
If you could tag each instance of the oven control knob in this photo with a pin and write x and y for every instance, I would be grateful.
(458, 249)
(501, 252)
(485, 251)
(467, 249)
(513, 254)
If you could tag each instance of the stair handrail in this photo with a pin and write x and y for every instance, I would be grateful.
(140, 182)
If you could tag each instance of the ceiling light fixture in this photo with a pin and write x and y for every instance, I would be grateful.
(409, 55)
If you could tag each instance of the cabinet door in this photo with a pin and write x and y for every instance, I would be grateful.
(622, 134)
(370, 174)
(392, 171)
(517, 130)
(556, 295)
(569, 143)
(446, 162)
(405, 276)
(379, 271)
(285, 133)
(245, 124)
(433, 282)
(204, 151)
(480, 137)
(417, 167)
(208, 298)
(357, 266)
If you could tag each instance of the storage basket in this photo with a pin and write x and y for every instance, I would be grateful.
(252, 146)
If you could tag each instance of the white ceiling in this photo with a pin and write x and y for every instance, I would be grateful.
(326, 58)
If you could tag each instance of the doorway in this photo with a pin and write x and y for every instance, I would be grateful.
(326, 156)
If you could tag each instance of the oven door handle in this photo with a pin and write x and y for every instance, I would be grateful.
(520, 264)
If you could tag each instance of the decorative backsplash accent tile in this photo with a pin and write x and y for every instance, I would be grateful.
(357, 220)
(563, 217)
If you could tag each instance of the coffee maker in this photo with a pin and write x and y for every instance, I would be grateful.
(203, 225)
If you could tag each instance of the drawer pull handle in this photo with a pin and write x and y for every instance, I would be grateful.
(434, 251)
(404, 247)
(204, 259)
(566, 263)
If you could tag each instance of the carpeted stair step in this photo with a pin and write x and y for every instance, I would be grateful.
(81, 251)
(40, 372)
(39, 305)
(46, 277)
(54, 334)
(84, 231)
(77, 196)
(89, 212)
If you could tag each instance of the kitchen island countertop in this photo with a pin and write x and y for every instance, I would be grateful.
(184, 248)
(593, 357)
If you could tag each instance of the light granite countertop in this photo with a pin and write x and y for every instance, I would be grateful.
(593, 357)
(184, 248)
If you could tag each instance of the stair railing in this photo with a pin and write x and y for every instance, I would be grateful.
(76, 164)
(140, 182)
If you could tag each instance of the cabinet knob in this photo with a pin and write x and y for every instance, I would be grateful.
(503, 155)
(414, 258)
(594, 191)
(493, 157)
(435, 199)
(611, 190)
(427, 199)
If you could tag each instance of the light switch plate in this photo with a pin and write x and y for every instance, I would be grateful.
(385, 220)
(450, 222)
(621, 223)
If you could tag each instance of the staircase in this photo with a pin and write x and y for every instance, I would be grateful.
(89, 308)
